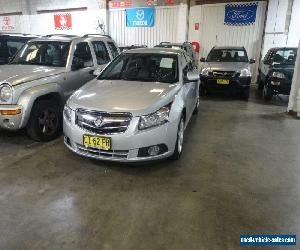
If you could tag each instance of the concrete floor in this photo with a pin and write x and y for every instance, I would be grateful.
(239, 174)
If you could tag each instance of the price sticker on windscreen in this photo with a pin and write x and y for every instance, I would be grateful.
(166, 63)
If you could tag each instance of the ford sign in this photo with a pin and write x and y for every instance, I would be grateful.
(240, 14)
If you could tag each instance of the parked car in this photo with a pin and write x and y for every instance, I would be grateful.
(42, 75)
(226, 69)
(276, 72)
(124, 48)
(10, 43)
(136, 110)
(186, 46)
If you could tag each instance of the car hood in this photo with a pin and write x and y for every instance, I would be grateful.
(226, 66)
(18, 74)
(137, 98)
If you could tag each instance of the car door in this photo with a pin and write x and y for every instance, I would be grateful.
(102, 55)
(81, 69)
(191, 89)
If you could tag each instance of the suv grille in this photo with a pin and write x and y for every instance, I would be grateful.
(219, 73)
(102, 122)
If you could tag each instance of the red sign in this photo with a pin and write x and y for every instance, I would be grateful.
(63, 21)
(197, 26)
(121, 4)
(196, 46)
(170, 2)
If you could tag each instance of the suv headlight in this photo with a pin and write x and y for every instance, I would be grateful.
(245, 73)
(205, 72)
(157, 118)
(278, 75)
(6, 93)
(68, 113)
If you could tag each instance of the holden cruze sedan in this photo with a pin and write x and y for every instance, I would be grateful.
(136, 110)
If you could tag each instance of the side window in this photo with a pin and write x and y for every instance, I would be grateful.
(82, 56)
(13, 47)
(101, 52)
(113, 49)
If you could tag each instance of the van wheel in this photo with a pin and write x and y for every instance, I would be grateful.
(45, 122)
(179, 142)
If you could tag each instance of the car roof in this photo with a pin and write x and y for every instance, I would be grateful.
(229, 47)
(70, 38)
(17, 35)
(156, 50)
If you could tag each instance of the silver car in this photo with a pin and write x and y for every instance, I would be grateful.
(136, 110)
(226, 69)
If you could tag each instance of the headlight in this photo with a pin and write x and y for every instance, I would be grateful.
(278, 75)
(205, 72)
(160, 117)
(6, 93)
(68, 113)
(245, 73)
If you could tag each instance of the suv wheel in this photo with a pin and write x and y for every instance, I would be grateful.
(267, 93)
(45, 121)
(179, 142)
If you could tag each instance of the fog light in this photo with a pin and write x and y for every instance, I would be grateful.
(153, 150)
(275, 83)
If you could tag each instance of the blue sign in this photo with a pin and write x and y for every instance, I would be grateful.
(140, 17)
(240, 14)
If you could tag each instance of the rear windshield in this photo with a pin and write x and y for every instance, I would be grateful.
(227, 55)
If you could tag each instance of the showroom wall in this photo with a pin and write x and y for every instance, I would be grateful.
(207, 27)
(170, 23)
(38, 16)
(282, 26)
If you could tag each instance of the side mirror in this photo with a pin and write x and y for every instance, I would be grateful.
(192, 76)
(202, 59)
(251, 61)
(98, 70)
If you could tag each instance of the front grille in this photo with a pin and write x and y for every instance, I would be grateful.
(102, 122)
(230, 74)
(121, 154)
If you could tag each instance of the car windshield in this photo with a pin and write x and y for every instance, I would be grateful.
(285, 56)
(227, 55)
(143, 67)
(46, 53)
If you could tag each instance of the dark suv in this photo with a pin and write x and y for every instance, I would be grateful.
(276, 72)
(10, 43)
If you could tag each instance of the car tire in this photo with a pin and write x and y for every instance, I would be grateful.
(195, 112)
(260, 83)
(179, 141)
(45, 122)
(245, 93)
(267, 93)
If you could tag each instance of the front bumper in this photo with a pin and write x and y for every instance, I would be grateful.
(280, 86)
(10, 122)
(125, 146)
(236, 84)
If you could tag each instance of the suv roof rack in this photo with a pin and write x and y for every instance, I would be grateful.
(61, 35)
(87, 35)
(16, 34)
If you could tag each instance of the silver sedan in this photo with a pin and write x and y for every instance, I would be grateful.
(136, 110)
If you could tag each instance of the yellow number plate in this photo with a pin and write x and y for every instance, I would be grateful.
(97, 142)
(222, 81)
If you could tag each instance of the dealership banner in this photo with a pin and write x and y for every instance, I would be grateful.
(7, 23)
(240, 14)
(140, 17)
(63, 21)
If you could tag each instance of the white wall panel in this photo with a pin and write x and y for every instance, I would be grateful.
(213, 32)
(170, 25)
